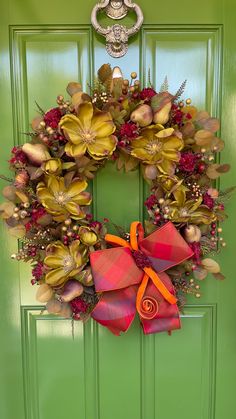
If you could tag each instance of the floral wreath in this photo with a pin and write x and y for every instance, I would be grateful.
(81, 270)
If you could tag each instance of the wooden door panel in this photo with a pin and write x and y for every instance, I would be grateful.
(149, 376)
(43, 60)
(191, 53)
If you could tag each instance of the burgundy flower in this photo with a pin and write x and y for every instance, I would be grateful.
(188, 161)
(147, 93)
(52, 117)
(38, 271)
(96, 224)
(196, 248)
(188, 116)
(89, 217)
(150, 201)
(142, 261)
(208, 201)
(78, 305)
(129, 130)
(18, 156)
(37, 214)
(28, 226)
(177, 115)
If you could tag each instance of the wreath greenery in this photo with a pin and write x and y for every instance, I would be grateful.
(47, 205)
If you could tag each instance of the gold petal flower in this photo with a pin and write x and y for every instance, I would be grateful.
(90, 131)
(52, 166)
(173, 185)
(183, 211)
(62, 201)
(158, 147)
(88, 236)
(64, 262)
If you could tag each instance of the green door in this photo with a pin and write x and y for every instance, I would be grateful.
(44, 372)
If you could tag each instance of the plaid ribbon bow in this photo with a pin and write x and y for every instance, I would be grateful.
(131, 277)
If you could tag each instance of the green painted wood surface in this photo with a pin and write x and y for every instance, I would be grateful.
(44, 373)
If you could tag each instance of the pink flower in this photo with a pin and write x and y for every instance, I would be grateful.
(21, 179)
(150, 201)
(147, 93)
(78, 305)
(52, 117)
(188, 161)
(214, 193)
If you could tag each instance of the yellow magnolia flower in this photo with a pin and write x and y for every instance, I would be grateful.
(88, 236)
(62, 201)
(173, 185)
(183, 211)
(89, 131)
(52, 166)
(158, 147)
(64, 262)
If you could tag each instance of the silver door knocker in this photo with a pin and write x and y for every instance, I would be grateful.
(117, 35)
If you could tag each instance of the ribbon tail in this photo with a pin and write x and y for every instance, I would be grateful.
(164, 324)
(116, 309)
(160, 286)
(167, 318)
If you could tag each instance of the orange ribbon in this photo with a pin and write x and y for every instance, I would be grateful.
(145, 309)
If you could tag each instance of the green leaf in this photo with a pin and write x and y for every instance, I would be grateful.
(160, 100)
(223, 168)
(219, 276)
(149, 227)
(165, 85)
(180, 91)
(131, 163)
(215, 170)
(226, 194)
(117, 88)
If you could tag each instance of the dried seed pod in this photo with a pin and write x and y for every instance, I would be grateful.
(65, 311)
(211, 265)
(162, 116)
(71, 290)
(200, 273)
(54, 306)
(44, 293)
(151, 172)
(192, 233)
(142, 115)
(36, 153)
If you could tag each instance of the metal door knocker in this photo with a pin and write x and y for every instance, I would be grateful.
(117, 35)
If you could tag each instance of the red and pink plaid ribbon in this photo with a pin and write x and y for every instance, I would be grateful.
(118, 278)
